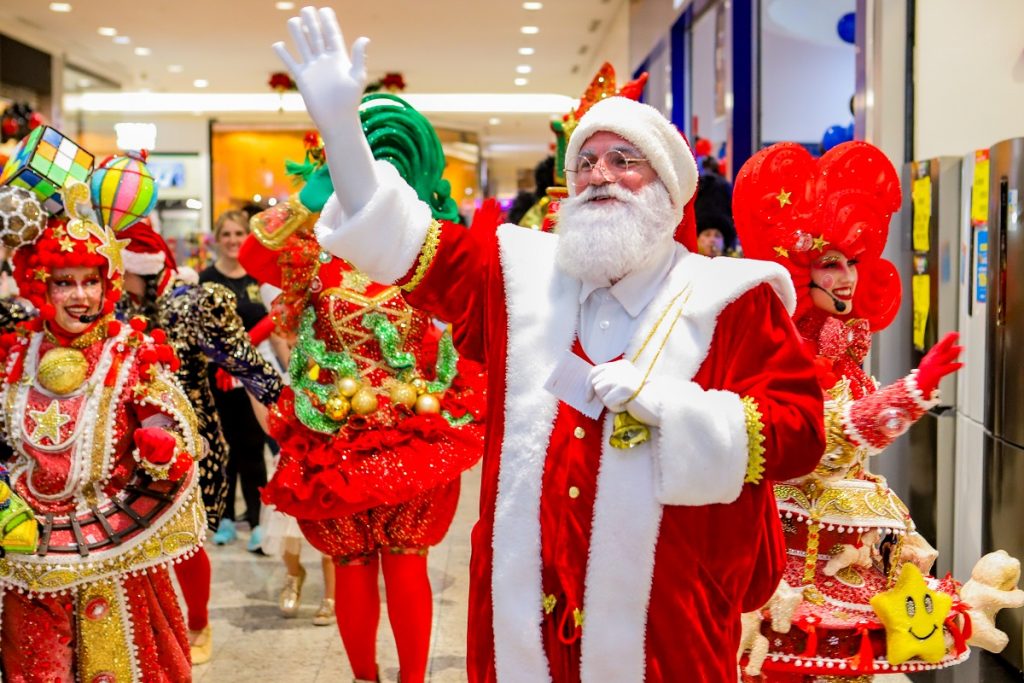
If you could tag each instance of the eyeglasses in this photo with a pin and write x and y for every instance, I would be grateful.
(614, 163)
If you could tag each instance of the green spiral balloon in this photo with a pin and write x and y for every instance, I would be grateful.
(403, 137)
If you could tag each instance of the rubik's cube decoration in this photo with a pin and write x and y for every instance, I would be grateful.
(43, 162)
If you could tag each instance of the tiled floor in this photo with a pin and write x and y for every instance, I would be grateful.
(253, 642)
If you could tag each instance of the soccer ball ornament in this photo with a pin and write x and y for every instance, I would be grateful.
(22, 218)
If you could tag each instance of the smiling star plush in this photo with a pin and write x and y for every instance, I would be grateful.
(913, 615)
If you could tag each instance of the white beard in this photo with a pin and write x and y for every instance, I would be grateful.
(605, 241)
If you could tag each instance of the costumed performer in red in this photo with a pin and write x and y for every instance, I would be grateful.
(379, 421)
(203, 327)
(641, 397)
(104, 443)
(849, 538)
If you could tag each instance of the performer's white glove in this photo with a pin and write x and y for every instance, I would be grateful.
(332, 84)
(614, 383)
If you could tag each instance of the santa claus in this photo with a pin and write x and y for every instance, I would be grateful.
(641, 397)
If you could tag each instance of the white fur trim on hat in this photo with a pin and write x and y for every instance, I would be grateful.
(654, 136)
(143, 264)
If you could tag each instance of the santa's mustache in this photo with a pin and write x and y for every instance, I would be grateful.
(594, 192)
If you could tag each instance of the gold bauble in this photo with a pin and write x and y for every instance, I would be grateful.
(337, 408)
(405, 394)
(427, 403)
(62, 370)
(348, 386)
(420, 385)
(364, 402)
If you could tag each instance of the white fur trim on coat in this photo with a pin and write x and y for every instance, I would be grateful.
(543, 309)
(384, 239)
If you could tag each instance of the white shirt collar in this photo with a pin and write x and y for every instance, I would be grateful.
(637, 289)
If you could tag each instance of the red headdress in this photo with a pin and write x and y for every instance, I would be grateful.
(69, 242)
(790, 208)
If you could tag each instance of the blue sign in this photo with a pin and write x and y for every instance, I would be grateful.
(981, 261)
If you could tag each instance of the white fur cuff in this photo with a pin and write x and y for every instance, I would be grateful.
(384, 239)
(702, 448)
(143, 264)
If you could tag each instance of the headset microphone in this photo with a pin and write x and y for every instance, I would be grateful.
(840, 305)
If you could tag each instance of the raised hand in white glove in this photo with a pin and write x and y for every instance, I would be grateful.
(616, 382)
(332, 84)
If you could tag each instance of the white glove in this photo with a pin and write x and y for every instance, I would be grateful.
(332, 87)
(614, 383)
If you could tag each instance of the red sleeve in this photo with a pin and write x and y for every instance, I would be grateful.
(764, 359)
(455, 286)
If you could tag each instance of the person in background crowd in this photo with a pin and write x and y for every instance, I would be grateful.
(242, 430)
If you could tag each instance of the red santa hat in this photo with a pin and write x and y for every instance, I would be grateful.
(652, 134)
(148, 253)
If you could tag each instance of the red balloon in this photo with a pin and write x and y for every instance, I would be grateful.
(10, 126)
(35, 120)
(703, 147)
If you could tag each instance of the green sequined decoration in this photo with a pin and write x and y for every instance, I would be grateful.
(388, 340)
(310, 352)
(445, 367)
(456, 421)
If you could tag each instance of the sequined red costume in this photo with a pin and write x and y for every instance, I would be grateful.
(847, 534)
(103, 443)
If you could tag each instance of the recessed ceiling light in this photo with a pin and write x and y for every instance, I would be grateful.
(122, 40)
(60, 6)
(533, 5)
(257, 198)
(142, 51)
(530, 30)
(175, 68)
(524, 69)
(272, 201)
(521, 81)
(200, 82)
(108, 31)
(526, 51)
(494, 121)
(284, 5)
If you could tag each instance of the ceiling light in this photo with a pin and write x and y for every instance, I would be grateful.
(494, 121)
(108, 31)
(272, 201)
(122, 40)
(284, 5)
(200, 82)
(521, 81)
(526, 51)
(60, 6)
(257, 198)
(530, 30)
(142, 51)
(175, 68)
(193, 204)
(533, 5)
(434, 103)
(524, 69)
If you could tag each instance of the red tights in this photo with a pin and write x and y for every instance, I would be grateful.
(410, 610)
(194, 578)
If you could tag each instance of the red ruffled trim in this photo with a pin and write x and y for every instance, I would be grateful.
(321, 476)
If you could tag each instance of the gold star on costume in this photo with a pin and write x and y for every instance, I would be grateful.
(66, 244)
(48, 422)
(355, 281)
(781, 251)
(59, 232)
(111, 250)
(41, 274)
(819, 244)
(783, 197)
(91, 247)
(913, 615)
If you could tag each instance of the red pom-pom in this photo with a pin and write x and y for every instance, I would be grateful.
(156, 446)
(113, 328)
(138, 324)
(159, 336)
(47, 312)
(164, 353)
(182, 465)
(148, 356)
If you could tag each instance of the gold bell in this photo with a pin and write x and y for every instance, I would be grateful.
(627, 432)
